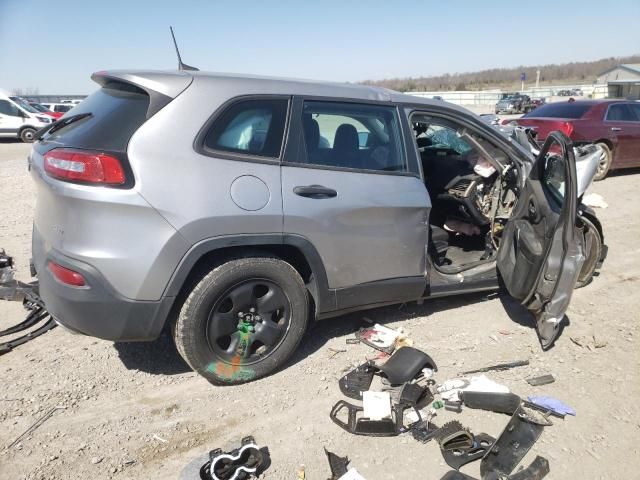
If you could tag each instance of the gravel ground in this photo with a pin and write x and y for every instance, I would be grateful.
(136, 411)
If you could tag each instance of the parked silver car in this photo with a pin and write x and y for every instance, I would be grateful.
(234, 209)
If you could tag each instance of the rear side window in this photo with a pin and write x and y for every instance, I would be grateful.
(116, 111)
(620, 112)
(62, 108)
(358, 136)
(559, 110)
(250, 127)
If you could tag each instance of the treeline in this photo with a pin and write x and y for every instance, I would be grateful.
(565, 73)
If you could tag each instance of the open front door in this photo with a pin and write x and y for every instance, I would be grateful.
(542, 250)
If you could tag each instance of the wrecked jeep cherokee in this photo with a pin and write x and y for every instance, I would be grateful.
(232, 210)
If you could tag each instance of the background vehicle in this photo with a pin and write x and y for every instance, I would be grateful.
(514, 104)
(58, 107)
(20, 120)
(576, 92)
(537, 102)
(74, 101)
(564, 93)
(45, 110)
(252, 236)
(612, 124)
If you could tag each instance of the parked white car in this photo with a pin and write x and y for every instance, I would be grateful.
(59, 107)
(20, 120)
(74, 101)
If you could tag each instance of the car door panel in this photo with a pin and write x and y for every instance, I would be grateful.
(368, 227)
(624, 133)
(542, 249)
(373, 229)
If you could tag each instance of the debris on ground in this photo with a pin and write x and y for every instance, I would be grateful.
(36, 424)
(383, 338)
(246, 461)
(450, 389)
(404, 402)
(541, 380)
(14, 290)
(338, 465)
(552, 404)
(335, 351)
(589, 341)
(498, 368)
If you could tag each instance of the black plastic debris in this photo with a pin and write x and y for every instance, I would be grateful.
(338, 465)
(541, 380)
(246, 461)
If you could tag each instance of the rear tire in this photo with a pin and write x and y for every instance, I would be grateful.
(593, 251)
(604, 164)
(27, 135)
(242, 320)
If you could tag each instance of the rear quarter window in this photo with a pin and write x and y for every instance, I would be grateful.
(252, 127)
(560, 110)
(117, 111)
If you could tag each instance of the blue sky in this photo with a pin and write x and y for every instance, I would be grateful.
(56, 45)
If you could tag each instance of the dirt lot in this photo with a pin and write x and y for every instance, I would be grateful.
(136, 411)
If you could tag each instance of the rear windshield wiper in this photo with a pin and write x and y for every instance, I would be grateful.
(55, 126)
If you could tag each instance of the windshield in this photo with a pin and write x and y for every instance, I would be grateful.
(22, 103)
(39, 107)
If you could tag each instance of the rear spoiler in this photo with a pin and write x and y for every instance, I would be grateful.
(162, 87)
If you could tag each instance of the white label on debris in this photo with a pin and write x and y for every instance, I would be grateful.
(376, 405)
(352, 474)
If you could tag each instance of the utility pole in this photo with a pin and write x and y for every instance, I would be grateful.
(537, 78)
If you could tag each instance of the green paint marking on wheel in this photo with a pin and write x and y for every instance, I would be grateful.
(234, 371)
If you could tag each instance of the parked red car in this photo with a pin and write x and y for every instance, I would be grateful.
(612, 124)
(45, 110)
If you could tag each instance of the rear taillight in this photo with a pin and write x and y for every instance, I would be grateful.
(84, 166)
(65, 275)
(567, 128)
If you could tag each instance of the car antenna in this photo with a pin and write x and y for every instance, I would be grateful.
(181, 66)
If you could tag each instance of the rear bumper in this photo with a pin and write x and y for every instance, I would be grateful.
(97, 309)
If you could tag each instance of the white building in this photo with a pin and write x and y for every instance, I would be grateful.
(623, 81)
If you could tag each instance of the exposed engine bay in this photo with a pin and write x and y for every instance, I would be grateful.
(473, 188)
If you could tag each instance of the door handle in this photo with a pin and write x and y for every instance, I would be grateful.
(616, 129)
(315, 191)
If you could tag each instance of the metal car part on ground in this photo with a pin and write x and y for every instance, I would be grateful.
(338, 465)
(358, 424)
(520, 434)
(14, 290)
(459, 457)
(246, 461)
(538, 469)
(404, 365)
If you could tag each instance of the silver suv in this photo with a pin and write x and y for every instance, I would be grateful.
(232, 210)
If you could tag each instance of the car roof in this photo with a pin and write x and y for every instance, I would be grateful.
(256, 84)
(593, 102)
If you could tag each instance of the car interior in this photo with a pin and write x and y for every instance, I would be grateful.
(349, 140)
(472, 188)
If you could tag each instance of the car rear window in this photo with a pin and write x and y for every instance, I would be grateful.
(116, 111)
(560, 110)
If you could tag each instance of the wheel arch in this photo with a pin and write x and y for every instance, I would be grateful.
(589, 214)
(607, 142)
(293, 249)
